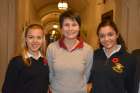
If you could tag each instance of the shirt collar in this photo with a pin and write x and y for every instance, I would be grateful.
(113, 52)
(31, 55)
(79, 45)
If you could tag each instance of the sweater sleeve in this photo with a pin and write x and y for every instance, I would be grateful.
(89, 64)
(49, 55)
(90, 80)
(129, 81)
(12, 74)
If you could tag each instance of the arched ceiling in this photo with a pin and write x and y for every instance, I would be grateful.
(49, 13)
(78, 5)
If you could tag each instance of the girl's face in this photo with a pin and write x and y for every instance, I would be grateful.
(108, 37)
(70, 28)
(34, 39)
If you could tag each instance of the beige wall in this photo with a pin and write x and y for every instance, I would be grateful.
(26, 15)
(128, 19)
(14, 15)
(91, 17)
(126, 14)
(89, 20)
(7, 34)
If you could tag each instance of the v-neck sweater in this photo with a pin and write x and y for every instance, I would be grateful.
(69, 70)
(108, 80)
(21, 78)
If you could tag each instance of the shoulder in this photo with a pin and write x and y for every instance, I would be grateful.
(87, 46)
(98, 51)
(126, 57)
(53, 45)
(136, 54)
(124, 53)
(16, 58)
(16, 61)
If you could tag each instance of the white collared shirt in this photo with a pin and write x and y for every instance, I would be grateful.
(31, 55)
(113, 52)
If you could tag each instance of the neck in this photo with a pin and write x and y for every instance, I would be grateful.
(35, 54)
(70, 42)
(109, 51)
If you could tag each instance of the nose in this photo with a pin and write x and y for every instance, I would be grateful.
(35, 39)
(70, 27)
(106, 38)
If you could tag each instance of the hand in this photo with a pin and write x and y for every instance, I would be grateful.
(49, 90)
(89, 87)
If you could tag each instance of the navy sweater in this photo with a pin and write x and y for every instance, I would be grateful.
(21, 78)
(106, 75)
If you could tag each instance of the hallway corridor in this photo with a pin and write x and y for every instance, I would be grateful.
(15, 15)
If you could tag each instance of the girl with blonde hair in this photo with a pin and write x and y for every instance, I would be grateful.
(29, 72)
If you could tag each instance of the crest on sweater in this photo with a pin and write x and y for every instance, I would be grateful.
(118, 67)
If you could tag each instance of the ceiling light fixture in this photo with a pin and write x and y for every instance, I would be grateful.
(62, 5)
(55, 26)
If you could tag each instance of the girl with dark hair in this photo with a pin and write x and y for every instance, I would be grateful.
(29, 72)
(113, 68)
(113, 26)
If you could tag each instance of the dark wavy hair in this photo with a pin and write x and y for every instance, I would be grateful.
(113, 25)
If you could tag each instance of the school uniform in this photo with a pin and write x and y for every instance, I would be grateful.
(112, 74)
(137, 76)
(21, 78)
(136, 55)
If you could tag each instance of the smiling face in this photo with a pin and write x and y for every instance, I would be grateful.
(70, 28)
(34, 39)
(108, 37)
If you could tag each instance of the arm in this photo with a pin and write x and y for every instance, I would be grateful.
(129, 81)
(88, 70)
(89, 65)
(49, 58)
(89, 87)
(90, 81)
(11, 78)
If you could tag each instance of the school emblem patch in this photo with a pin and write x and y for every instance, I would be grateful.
(118, 67)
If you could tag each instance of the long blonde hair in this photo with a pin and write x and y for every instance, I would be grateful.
(24, 47)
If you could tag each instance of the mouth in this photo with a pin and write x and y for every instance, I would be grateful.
(35, 45)
(107, 44)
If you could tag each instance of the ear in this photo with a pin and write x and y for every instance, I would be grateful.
(118, 34)
(25, 39)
